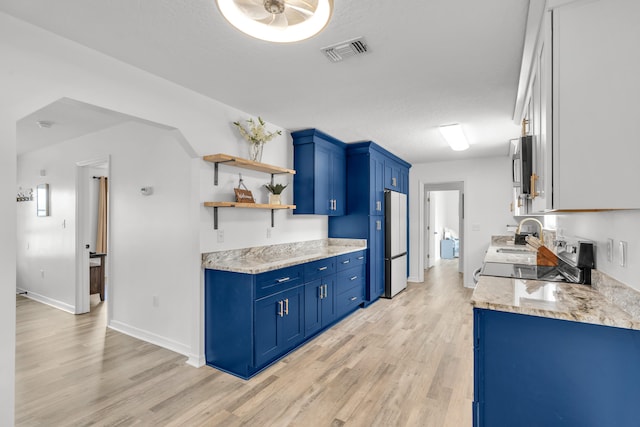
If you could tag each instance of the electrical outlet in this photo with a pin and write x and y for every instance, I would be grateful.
(156, 301)
(623, 254)
(268, 233)
(610, 250)
(220, 236)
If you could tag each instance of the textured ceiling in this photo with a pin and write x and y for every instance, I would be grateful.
(431, 62)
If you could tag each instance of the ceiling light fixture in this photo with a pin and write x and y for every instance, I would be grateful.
(454, 136)
(280, 21)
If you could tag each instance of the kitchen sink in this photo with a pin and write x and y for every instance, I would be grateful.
(514, 251)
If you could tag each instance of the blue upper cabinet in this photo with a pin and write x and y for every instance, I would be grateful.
(319, 186)
(396, 175)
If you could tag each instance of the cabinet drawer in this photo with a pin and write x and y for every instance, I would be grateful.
(278, 280)
(347, 279)
(349, 299)
(316, 269)
(350, 260)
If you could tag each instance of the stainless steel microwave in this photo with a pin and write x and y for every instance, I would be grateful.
(522, 164)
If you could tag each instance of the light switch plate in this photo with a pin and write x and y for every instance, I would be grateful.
(220, 236)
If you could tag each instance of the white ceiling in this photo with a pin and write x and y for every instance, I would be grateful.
(431, 62)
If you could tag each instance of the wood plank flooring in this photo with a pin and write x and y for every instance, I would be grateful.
(401, 362)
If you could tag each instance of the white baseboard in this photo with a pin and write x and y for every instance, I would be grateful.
(152, 338)
(413, 279)
(196, 361)
(48, 301)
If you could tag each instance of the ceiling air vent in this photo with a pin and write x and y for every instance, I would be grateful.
(342, 50)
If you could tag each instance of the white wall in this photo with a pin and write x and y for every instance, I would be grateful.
(599, 226)
(451, 219)
(486, 209)
(40, 68)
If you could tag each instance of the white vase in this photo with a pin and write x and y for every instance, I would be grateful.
(255, 152)
(274, 199)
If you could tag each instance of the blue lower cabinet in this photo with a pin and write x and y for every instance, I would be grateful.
(536, 371)
(252, 320)
(319, 304)
(279, 324)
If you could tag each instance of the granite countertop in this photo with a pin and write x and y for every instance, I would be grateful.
(266, 258)
(557, 300)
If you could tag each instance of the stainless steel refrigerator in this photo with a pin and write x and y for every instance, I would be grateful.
(395, 243)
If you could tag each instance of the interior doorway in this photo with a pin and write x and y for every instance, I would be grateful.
(92, 233)
(443, 223)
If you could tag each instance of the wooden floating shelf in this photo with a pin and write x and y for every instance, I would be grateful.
(247, 205)
(246, 164)
(216, 205)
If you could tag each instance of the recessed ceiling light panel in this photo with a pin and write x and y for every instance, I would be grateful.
(280, 21)
(455, 137)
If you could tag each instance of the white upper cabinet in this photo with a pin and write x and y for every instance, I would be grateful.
(582, 92)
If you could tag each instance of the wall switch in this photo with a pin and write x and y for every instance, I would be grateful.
(156, 301)
(220, 236)
(610, 250)
(623, 254)
(268, 233)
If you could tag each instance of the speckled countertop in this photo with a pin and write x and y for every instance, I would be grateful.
(266, 258)
(557, 300)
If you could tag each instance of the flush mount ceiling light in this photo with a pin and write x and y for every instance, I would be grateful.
(280, 21)
(455, 137)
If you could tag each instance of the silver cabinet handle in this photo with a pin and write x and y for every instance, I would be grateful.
(324, 287)
(354, 278)
(335, 205)
(394, 182)
(360, 257)
(378, 205)
(320, 292)
(280, 309)
(346, 262)
(354, 298)
(286, 306)
(322, 268)
(284, 279)
(378, 225)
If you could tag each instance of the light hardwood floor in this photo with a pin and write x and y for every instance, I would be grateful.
(401, 362)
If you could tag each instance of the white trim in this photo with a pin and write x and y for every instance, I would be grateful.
(415, 279)
(83, 303)
(152, 338)
(196, 361)
(48, 301)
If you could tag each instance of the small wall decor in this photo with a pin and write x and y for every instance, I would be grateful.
(24, 195)
(243, 195)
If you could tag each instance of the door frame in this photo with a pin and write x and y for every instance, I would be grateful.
(426, 188)
(83, 303)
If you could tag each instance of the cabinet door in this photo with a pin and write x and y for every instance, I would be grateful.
(392, 175)
(377, 185)
(279, 324)
(338, 177)
(267, 318)
(595, 112)
(322, 193)
(328, 302)
(375, 261)
(313, 292)
(404, 180)
(292, 323)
